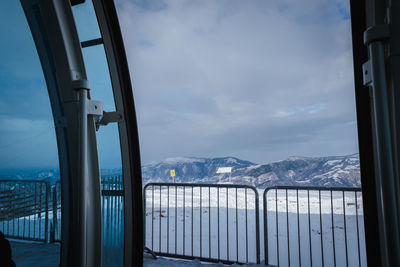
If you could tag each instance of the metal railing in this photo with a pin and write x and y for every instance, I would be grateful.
(184, 220)
(309, 226)
(313, 226)
(24, 209)
(112, 209)
(31, 209)
(112, 212)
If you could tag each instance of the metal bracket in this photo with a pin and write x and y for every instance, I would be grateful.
(95, 108)
(367, 73)
(109, 117)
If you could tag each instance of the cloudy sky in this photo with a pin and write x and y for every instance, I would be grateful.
(260, 80)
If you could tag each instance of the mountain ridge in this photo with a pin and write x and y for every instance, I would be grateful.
(329, 171)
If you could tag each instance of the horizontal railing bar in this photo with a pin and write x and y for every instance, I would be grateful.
(316, 188)
(24, 181)
(109, 192)
(202, 185)
(188, 257)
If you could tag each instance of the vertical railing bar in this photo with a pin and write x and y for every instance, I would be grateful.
(201, 222)
(309, 225)
(144, 215)
(34, 222)
(113, 213)
(17, 208)
(345, 228)
(358, 233)
(247, 232)
(29, 220)
(218, 221)
(237, 227)
(109, 214)
(276, 225)
(184, 215)
(265, 213)
(320, 229)
(168, 219)
(23, 229)
(10, 208)
(106, 219)
(333, 231)
(117, 210)
(152, 217)
(3, 224)
(176, 220)
(298, 226)
(209, 222)
(54, 200)
(40, 210)
(257, 218)
(192, 221)
(227, 224)
(46, 220)
(287, 226)
(159, 231)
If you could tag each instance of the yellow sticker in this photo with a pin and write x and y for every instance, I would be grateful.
(172, 173)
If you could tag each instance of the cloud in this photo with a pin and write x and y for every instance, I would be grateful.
(260, 80)
(27, 143)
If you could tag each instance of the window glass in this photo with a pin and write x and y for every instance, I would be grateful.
(220, 78)
(86, 21)
(29, 172)
(246, 93)
(109, 149)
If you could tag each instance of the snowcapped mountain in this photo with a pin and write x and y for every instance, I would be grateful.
(343, 171)
(189, 169)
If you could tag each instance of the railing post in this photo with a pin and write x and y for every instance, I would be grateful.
(265, 212)
(46, 220)
(53, 224)
(257, 226)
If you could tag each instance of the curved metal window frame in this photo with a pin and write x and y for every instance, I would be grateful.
(129, 137)
(59, 48)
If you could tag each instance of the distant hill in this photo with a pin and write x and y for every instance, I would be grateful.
(343, 171)
(335, 171)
